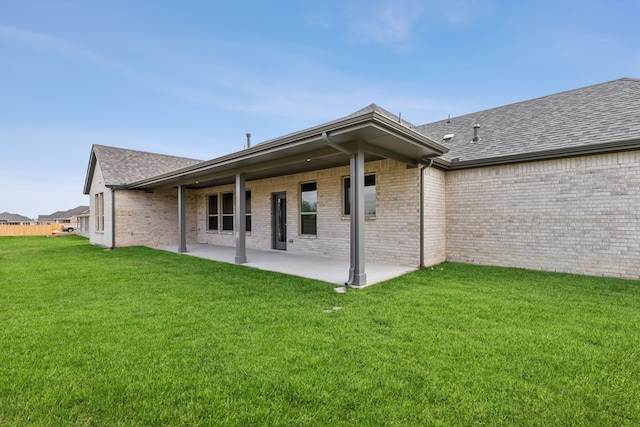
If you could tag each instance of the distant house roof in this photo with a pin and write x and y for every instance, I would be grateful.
(121, 166)
(9, 217)
(599, 117)
(68, 214)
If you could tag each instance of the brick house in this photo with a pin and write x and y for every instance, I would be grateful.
(550, 184)
(64, 217)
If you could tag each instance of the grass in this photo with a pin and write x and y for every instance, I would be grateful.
(135, 336)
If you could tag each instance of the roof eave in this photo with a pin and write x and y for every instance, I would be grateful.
(305, 137)
(91, 167)
(583, 150)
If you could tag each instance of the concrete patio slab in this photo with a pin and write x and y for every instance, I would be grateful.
(329, 270)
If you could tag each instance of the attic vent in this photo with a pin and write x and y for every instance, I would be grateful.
(448, 137)
(476, 129)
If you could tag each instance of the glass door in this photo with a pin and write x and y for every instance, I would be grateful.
(280, 221)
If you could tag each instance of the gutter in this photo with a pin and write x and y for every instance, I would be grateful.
(582, 150)
(335, 146)
(315, 134)
(423, 166)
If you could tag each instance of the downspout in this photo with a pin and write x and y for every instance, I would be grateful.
(422, 169)
(332, 144)
(113, 218)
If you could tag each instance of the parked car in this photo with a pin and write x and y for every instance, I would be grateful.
(68, 227)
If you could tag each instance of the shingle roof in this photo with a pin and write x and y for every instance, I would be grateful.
(377, 109)
(65, 214)
(120, 166)
(603, 113)
(10, 217)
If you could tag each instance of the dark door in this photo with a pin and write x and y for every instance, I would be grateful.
(280, 221)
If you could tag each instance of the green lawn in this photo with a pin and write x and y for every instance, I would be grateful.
(143, 337)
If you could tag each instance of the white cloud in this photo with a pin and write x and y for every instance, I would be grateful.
(385, 21)
(394, 22)
(461, 12)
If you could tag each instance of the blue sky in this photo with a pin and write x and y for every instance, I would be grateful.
(190, 78)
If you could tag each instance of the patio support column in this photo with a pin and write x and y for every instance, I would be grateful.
(241, 214)
(357, 273)
(182, 219)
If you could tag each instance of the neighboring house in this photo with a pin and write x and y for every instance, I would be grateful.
(82, 224)
(7, 218)
(64, 217)
(550, 184)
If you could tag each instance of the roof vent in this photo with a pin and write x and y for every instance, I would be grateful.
(248, 140)
(476, 128)
(448, 137)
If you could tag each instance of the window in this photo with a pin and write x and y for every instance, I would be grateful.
(308, 208)
(212, 212)
(248, 211)
(227, 211)
(369, 195)
(99, 212)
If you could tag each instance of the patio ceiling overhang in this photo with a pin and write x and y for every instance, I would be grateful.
(321, 147)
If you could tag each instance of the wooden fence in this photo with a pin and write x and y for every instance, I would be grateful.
(29, 230)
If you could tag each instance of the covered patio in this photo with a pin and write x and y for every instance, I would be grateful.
(326, 269)
(365, 136)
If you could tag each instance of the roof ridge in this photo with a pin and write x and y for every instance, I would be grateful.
(597, 114)
(110, 147)
(120, 166)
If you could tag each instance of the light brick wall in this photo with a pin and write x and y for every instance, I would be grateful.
(100, 238)
(577, 215)
(141, 218)
(151, 219)
(391, 237)
(435, 229)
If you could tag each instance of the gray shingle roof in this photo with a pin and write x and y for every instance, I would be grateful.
(120, 166)
(10, 217)
(68, 214)
(603, 113)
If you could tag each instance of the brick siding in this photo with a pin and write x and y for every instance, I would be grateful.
(151, 219)
(435, 227)
(576, 215)
(100, 238)
(391, 237)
